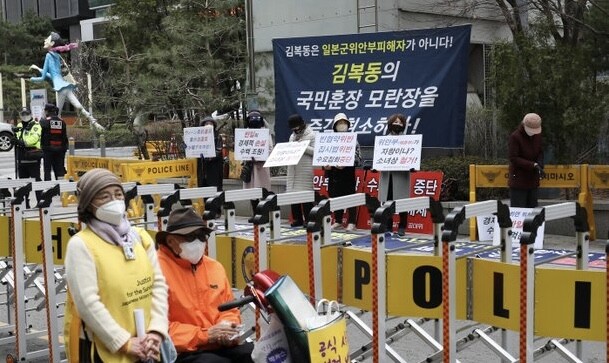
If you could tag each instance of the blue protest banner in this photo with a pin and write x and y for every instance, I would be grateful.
(419, 73)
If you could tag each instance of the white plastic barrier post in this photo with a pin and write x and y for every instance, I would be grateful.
(527, 271)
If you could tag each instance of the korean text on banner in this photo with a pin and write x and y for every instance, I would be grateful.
(419, 73)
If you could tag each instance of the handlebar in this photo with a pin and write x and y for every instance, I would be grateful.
(236, 303)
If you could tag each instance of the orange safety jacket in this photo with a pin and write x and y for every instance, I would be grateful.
(195, 292)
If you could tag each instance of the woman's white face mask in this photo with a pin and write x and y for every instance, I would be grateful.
(342, 127)
(192, 251)
(111, 212)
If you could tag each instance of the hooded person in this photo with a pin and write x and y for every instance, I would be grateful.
(210, 171)
(108, 264)
(341, 180)
(395, 184)
(197, 287)
(300, 176)
(260, 177)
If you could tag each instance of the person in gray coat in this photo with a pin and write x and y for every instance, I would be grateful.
(300, 176)
(395, 184)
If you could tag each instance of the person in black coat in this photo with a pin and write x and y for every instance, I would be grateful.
(341, 180)
(210, 171)
(54, 143)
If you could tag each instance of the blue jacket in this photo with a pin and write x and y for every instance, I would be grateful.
(51, 71)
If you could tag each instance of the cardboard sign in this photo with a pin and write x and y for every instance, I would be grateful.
(252, 143)
(334, 149)
(329, 343)
(287, 153)
(488, 228)
(397, 152)
(199, 142)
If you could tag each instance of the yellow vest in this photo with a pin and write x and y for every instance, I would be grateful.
(123, 286)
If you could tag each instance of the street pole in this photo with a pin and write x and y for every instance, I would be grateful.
(251, 101)
(1, 100)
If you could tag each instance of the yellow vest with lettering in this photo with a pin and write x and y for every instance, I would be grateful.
(123, 286)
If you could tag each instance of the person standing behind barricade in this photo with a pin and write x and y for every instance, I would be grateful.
(112, 269)
(210, 171)
(260, 176)
(54, 143)
(198, 285)
(300, 176)
(341, 180)
(525, 150)
(28, 133)
(396, 184)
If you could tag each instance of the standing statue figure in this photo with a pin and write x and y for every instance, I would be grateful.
(51, 72)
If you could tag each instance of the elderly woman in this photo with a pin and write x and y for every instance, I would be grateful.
(112, 270)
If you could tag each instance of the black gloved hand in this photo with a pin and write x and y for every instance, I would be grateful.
(540, 171)
(15, 141)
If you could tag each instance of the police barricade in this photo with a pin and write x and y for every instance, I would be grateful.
(150, 173)
(38, 238)
(557, 176)
(553, 302)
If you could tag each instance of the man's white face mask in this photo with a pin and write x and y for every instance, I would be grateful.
(192, 251)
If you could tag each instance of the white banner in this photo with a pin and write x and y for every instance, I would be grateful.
(252, 143)
(397, 152)
(488, 228)
(287, 153)
(334, 149)
(199, 142)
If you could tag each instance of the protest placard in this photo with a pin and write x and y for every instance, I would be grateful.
(252, 143)
(397, 152)
(334, 149)
(287, 153)
(199, 142)
(488, 228)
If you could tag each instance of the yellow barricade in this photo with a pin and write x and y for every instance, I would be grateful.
(557, 176)
(149, 172)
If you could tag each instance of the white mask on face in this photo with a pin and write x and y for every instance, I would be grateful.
(111, 212)
(342, 127)
(192, 251)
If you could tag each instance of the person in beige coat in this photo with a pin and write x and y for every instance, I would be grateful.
(261, 176)
(300, 176)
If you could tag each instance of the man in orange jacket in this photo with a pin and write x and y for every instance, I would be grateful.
(197, 286)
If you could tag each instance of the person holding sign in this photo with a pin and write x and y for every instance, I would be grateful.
(526, 162)
(341, 180)
(300, 176)
(260, 176)
(210, 171)
(395, 184)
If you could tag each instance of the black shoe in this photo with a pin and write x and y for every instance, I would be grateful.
(296, 224)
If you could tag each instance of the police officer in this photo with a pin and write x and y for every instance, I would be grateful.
(54, 142)
(27, 147)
